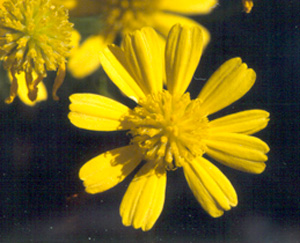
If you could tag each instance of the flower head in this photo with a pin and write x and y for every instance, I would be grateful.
(36, 40)
(168, 129)
(119, 17)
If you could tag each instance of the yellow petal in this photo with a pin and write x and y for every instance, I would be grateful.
(108, 169)
(69, 4)
(23, 90)
(183, 52)
(84, 60)
(144, 56)
(116, 67)
(96, 112)
(228, 84)
(188, 6)
(239, 151)
(163, 22)
(220, 179)
(247, 122)
(209, 185)
(144, 199)
(75, 41)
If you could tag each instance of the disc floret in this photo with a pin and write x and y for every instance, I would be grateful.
(169, 129)
(36, 39)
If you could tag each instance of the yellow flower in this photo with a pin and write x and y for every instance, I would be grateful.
(122, 16)
(168, 129)
(36, 39)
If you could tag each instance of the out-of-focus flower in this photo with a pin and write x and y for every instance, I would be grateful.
(119, 17)
(248, 5)
(35, 39)
(169, 130)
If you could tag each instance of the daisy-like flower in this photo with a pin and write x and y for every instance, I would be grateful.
(119, 17)
(35, 39)
(168, 129)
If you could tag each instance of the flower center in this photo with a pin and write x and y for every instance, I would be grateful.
(169, 129)
(126, 15)
(36, 39)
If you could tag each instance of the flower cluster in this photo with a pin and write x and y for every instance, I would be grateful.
(168, 129)
(154, 65)
(120, 17)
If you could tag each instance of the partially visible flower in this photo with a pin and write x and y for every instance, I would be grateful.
(120, 17)
(22, 92)
(35, 39)
(248, 5)
(169, 130)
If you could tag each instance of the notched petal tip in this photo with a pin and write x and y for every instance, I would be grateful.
(108, 169)
(246, 122)
(238, 151)
(144, 199)
(228, 84)
(210, 187)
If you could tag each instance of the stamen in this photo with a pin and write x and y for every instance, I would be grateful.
(32, 86)
(168, 128)
(60, 76)
(36, 39)
(13, 88)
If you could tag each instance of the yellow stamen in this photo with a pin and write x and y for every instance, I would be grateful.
(13, 89)
(168, 128)
(60, 76)
(36, 39)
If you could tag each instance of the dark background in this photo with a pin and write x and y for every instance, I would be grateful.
(42, 199)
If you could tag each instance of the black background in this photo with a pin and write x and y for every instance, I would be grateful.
(42, 199)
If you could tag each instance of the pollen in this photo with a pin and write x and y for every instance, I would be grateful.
(36, 39)
(168, 128)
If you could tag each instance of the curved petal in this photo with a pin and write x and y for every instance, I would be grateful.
(238, 151)
(84, 60)
(69, 4)
(246, 122)
(75, 41)
(108, 169)
(163, 22)
(23, 90)
(96, 112)
(209, 185)
(116, 67)
(144, 56)
(144, 199)
(228, 84)
(188, 6)
(183, 51)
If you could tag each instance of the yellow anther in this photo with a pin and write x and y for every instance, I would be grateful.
(164, 127)
(36, 39)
